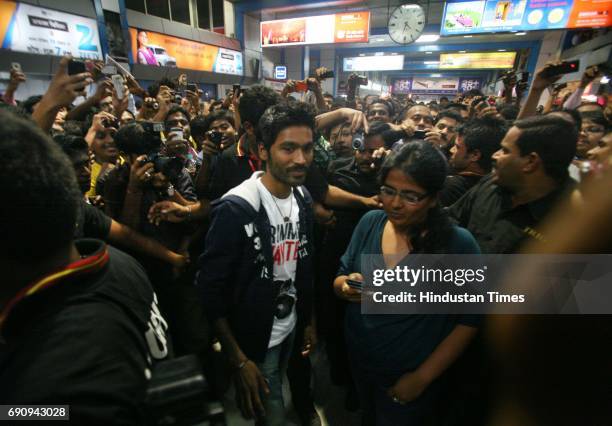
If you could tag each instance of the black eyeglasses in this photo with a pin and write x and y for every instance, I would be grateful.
(406, 196)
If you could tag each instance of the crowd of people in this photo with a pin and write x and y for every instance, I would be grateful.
(148, 224)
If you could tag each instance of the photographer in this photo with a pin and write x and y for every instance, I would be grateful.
(100, 138)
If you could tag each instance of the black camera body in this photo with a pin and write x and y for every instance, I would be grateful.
(419, 134)
(215, 137)
(171, 167)
(358, 142)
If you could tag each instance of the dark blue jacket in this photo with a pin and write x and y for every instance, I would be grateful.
(236, 268)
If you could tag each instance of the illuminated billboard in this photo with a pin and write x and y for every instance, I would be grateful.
(350, 27)
(374, 63)
(32, 29)
(154, 49)
(483, 16)
(480, 60)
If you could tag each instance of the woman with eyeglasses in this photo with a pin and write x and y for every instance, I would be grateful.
(397, 360)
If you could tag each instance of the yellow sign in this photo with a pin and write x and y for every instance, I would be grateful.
(481, 60)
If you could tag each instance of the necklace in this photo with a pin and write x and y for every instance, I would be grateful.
(285, 218)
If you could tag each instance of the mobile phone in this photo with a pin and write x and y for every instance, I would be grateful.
(236, 89)
(76, 67)
(525, 77)
(419, 134)
(111, 61)
(565, 67)
(16, 66)
(560, 86)
(176, 132)
(354, 284)
(118, 85)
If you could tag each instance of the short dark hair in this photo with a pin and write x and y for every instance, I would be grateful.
(509, 112)
(73, 127)
(327, 95)
(485, 135)
(457, 105)
(596, 117)
(449, 113)
(575, 115)
(254, 101)
(131, 139)
(44, 196)
(177, 108)
(219, 115)
(553, 139)
(386, 103)
(153, 89)
(71, 144)
(377, 128)
(278, 117)
(443, 98)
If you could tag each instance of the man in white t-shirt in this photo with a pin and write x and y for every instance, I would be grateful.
(256, 271)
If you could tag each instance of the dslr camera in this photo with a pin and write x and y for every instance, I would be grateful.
(171, 167)
(215, 137)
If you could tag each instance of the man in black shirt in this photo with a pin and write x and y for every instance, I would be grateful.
(470, 160)
(357, 175)
(530, 176)
(79, 322)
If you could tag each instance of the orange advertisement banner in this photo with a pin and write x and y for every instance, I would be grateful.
(590, 13)
(156, 49)
(352, 27)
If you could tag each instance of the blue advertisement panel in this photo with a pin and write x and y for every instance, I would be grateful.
(483, 16)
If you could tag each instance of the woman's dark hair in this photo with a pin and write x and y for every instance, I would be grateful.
(28, 104)
(596, 117)
(427, 167)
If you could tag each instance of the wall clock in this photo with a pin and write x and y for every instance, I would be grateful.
(406, 23)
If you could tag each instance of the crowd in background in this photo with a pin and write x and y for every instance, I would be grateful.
(206, 196)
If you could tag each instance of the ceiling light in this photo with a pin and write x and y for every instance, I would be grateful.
(425, 38)
(467, 36)
(378, 39)
(521, 33)
(462, 51)
(436, 75)
(428, 53)
(362, 54)
(501, 50)
(379, 53)
(431, 62)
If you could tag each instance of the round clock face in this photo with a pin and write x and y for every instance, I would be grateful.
(406, 23)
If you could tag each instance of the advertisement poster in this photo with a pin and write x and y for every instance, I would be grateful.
(480, 60)
(373, 63)
(33, 29)
(462, 17)
(435, 85)
(350, 27)
(401, 86)
(469, 83)
(154, 49)
(473, 17)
